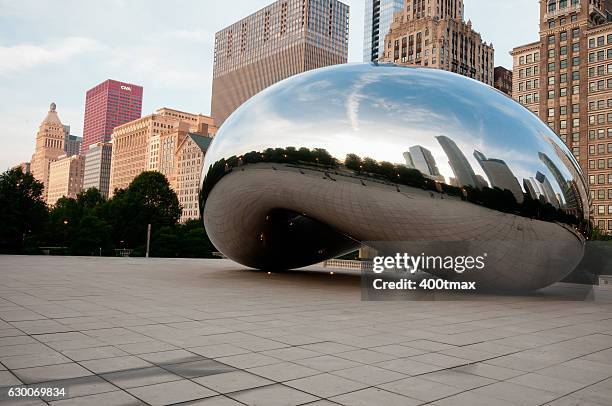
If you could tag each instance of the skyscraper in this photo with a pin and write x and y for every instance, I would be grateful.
(148, 144)
(565, 77)
(97, 167)
(65, 178)
(189, 160)
(108, 105)
(49, 147)
(377, 21)
(434, 34)
(283, 39)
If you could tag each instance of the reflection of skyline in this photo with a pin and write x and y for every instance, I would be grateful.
(410, 117)
(464, 174)
(500, 175)
(547, 189)
(420, 158)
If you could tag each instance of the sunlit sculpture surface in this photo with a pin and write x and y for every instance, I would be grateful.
(399, 159)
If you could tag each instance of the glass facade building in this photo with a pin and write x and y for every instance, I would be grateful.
(378, 19)
(108, 105)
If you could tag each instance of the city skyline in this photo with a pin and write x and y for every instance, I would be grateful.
(174, 63)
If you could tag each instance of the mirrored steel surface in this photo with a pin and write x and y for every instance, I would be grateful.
(401, 159)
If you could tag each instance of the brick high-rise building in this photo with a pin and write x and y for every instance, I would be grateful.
(148, 144)
(189, 160)
(108, 105)
(65, 178)
(566, 79)
(434, 34)
(283, 39)
(49, 147)
(169, 142)
(503, 80)
(378, 17)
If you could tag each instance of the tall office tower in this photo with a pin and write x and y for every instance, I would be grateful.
(142, 144)
(377, 21)
(503, 80)
(434, 34)
(65, 178)
(49, 147)
(108, 105)
(189, 160)
(97, 167)
(566, 79)
(283, 39)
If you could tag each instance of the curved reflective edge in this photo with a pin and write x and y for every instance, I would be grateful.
(417, 127)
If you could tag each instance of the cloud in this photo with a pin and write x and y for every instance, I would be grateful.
(25, 56)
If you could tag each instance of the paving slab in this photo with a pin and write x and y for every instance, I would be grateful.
(127, 331)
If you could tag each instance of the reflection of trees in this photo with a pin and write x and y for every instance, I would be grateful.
(492, 198)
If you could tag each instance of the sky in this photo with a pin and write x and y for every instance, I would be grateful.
(54, 51)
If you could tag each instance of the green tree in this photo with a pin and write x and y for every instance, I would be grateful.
(64, 219)
(195, 242)
(23, 211)
(147, 200)
(93, 237)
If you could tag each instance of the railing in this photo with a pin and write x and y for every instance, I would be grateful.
(348, 264)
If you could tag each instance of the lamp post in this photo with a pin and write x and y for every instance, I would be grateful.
(148, 239)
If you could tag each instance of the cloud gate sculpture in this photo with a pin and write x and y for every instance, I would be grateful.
(401, 160)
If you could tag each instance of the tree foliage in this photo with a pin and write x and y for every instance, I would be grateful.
(23, 211)
(91, 225)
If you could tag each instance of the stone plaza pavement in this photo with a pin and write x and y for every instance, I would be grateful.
(123, 331)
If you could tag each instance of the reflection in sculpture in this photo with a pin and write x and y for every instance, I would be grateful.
(399, 159)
